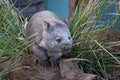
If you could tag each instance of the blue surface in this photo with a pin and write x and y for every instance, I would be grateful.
(109, 15)
(60, 7)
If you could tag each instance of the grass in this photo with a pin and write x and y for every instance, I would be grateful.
(11, 37)
(86, 24)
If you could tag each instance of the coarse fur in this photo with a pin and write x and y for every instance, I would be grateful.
(49, 37)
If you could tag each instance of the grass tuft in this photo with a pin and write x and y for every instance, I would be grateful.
(85, 26)
(12, 43)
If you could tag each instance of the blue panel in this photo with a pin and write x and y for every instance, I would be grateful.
(60, 7)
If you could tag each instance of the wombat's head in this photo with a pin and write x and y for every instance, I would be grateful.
(56, 36)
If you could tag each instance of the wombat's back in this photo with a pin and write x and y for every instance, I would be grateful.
(35, 24)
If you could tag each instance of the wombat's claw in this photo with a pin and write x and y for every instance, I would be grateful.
(45, 63)
(54, 62)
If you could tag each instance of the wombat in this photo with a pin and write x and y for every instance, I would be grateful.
(50, 37)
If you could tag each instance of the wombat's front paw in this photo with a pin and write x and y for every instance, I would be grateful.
(54, 61)
(44, 62)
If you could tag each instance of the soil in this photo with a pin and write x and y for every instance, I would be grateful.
(32, 70)
(113, 35)
(114, 72)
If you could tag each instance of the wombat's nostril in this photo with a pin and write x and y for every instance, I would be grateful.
(66, 47)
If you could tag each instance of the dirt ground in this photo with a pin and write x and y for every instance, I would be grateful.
(114, 72)
(31, 69)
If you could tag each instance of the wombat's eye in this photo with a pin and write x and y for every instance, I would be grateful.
(58, 40)
(69, 38)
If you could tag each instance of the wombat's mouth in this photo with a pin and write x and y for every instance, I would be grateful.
(65, 51)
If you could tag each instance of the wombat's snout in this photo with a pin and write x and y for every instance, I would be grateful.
(66, 47)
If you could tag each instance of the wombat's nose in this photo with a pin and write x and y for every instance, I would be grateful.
(66, 47)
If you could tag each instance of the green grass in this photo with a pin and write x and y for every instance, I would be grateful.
(12, 43)
(84, 28)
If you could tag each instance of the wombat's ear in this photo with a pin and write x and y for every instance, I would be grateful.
(46, 25)
(65, 21)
